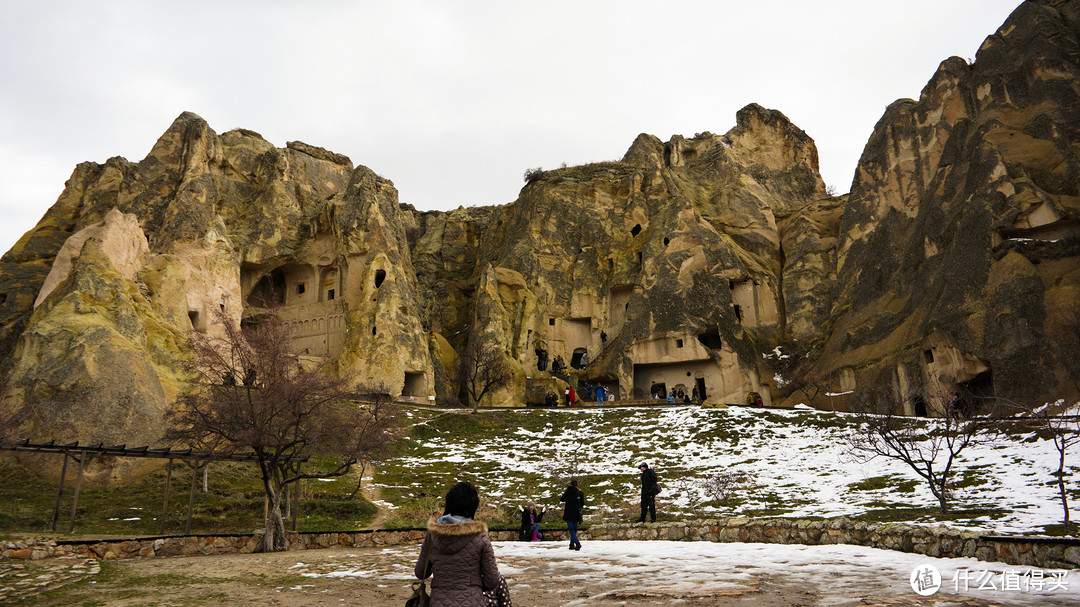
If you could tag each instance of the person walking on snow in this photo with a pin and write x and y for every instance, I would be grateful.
(575, 502)
(649, 489)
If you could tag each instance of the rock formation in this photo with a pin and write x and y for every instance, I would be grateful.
(957, 258)
(678, 268)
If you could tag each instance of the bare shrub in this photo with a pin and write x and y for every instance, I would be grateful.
(532, 175)
(721, 487)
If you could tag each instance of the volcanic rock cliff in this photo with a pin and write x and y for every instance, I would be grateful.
(951, 264)
(958, 249)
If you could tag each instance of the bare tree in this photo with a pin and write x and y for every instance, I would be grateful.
(481, 369)
(280, 412)
(930, 447)
(1054, 419)
(1064, 430)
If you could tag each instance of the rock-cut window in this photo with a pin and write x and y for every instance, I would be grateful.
(380, 276)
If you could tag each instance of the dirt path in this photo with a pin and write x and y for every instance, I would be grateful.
(373, 494)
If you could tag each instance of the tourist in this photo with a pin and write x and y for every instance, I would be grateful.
(571, 397)
(599, 395)
(649, 489)
(694, 394)
(457, 554)
(575, 503)
(530, 523)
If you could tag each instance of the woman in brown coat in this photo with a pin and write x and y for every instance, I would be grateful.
(457, 554)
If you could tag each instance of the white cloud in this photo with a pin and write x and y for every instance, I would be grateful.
(452, 101)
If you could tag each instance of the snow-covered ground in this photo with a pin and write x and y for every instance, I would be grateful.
(838, 573)
(796, 463)
(674, 572)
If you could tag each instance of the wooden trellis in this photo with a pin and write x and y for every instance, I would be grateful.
(84, 453)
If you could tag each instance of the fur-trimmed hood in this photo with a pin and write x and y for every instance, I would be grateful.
(451, 538)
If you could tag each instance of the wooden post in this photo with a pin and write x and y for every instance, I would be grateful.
(294, 496)
(191, 497)
(75, 500)
(60, 493)
(165, 502)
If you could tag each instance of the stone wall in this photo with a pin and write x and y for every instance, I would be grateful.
(943, 542)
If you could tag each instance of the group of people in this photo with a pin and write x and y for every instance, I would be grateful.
(677, 395)
(551, 399)
(574, 499)
(457, 552)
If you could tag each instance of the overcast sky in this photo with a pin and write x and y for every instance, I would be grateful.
(453, 100)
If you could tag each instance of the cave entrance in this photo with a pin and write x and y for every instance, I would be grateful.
(579, 359)
(658, 390)
(541, 359)
(700, 381)
(414, 384)
(269, 291)
(976, 395)
(918, 406)
(711, 339)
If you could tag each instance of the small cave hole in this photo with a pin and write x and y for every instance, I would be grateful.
(636, 230)
(380, 276)
(711, 339)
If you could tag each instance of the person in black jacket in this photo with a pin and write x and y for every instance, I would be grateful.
(575, 502)
(530, 523)
(649, 489)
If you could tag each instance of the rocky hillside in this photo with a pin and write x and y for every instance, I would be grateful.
(952, 263)
(957, 258)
